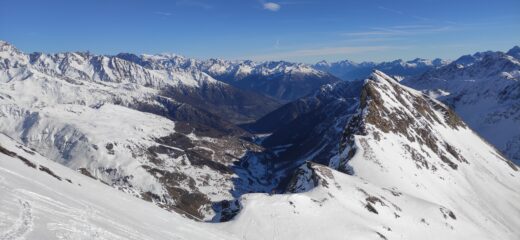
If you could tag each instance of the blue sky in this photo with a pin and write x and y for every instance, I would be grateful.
(295, 30)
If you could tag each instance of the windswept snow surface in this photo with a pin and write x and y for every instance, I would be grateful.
(340, 206)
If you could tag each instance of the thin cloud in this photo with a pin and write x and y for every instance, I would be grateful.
(373, 39)
(422, 18)
(167, 14)
(369, 33)
(412, 26)
(295, 2)
(401, 30)
(277, 44)
(391, 10)
(399, 12)
(271, 6)
(319, 52)
(192, 3)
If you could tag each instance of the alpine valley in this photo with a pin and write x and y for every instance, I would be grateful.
(167, 147)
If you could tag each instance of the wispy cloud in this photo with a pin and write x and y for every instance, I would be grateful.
(295, 2)
(271, 6)
(277, 44)
(319, 52)
(399, 12)
(373, 39)
(401, 30)
(167, 14)
(276, 6)
(194, 3)
(391, 10)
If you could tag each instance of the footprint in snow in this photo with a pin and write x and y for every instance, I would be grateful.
(22, 225)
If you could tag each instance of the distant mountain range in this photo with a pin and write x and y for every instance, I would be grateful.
(348, 70)
(484, 89)
(283, 81)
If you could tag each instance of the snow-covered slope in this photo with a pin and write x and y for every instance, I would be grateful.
(349, 70)
(122, 123)
(114, 79)
(41, 199)
(418, 172)
(484, 89)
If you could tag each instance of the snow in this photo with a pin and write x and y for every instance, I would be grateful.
(349, 70)
(75, 108)
(482, 92)
(35, 205)
(339, 211)
(390, 196)
(401, 187)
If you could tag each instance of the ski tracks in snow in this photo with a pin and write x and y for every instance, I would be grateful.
(22, 225)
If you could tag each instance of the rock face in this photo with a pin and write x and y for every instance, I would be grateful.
(390, 109)
(484, 90)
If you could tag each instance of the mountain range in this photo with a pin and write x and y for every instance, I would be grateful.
(484, 89)
(283, 81)
(269, 150)
(349, 70)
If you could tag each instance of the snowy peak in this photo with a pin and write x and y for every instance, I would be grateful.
(412, 165)
(11, 57)
(468, 60)
(388, 107)
(432, 136)
(7, 47)
(408, 143)
(514, 52)
(278, 79)
(384, 97)
(483, 89)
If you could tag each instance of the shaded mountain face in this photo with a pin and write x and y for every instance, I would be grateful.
(484, 92)
(308, 129)
(348, 70)
(283, 81)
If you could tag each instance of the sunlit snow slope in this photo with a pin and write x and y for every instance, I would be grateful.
(41, 199)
